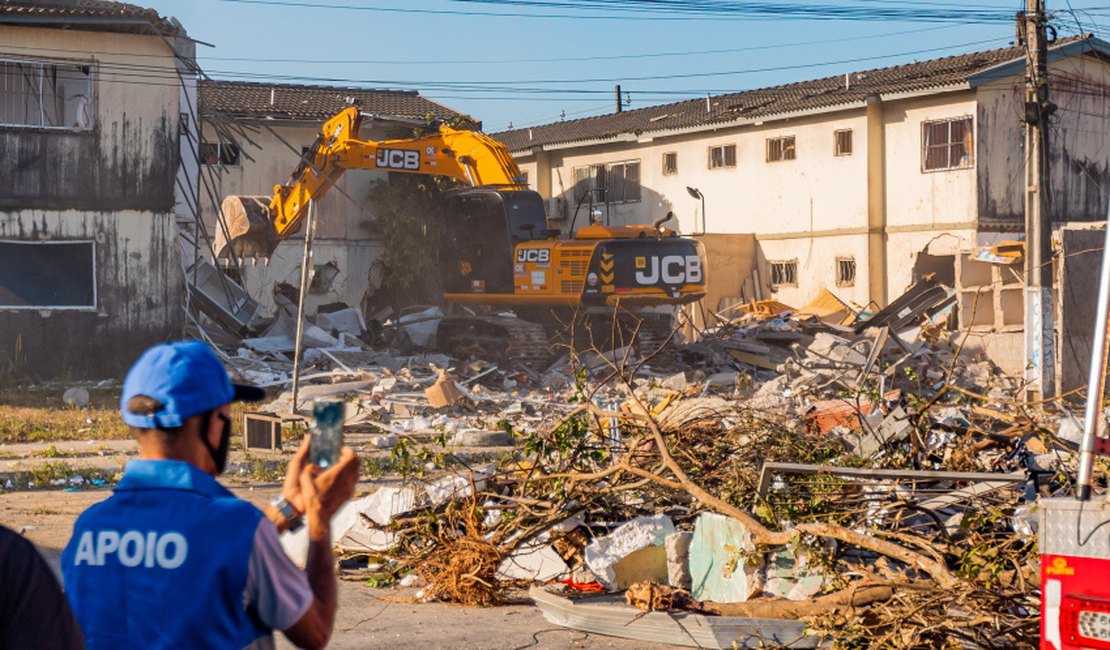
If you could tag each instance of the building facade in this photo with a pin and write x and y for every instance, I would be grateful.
(91, 123)
(860, 184)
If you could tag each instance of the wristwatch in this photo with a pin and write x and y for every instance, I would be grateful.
(292, 518)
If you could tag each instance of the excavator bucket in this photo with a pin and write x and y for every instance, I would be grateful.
(246, 230)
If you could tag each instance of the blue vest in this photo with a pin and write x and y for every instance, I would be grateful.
(163, 563)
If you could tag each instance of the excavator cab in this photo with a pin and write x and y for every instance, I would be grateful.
(481, 229)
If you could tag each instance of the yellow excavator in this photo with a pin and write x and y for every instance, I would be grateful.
(496, 247)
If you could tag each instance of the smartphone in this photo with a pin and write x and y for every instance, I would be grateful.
(327, 433)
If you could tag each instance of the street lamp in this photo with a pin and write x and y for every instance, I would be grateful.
(696, 193)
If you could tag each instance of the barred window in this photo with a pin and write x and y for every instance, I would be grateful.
(784, 273)
(220, 153)
(613, 183)
(947, 144)
(845, 271)
(670, 163)
(779, 149)
(843, 142)
(722, 156)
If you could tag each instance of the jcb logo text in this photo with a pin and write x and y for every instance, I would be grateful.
(398, 159)
(670, 269)
(541, 255)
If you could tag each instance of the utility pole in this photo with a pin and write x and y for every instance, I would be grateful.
(1040, 309)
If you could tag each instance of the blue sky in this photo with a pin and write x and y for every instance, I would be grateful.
(527, 64)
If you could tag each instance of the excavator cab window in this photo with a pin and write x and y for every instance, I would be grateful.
(527, 219)
(476, 248)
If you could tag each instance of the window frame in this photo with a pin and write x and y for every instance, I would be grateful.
(790, 282)
(837, 151)
(673, 169)
(724, 157)
(92, 276)
(601, 185)
(842, 262)
(43, 63)
(969, 142)
(786, 152)
(238, 164)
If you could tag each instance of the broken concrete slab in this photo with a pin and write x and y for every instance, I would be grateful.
(537, 562)
(388, 502)
(482, 439)
(343, 321)
(458, 486)
(678, 559)
(603, 553)
(721, 567)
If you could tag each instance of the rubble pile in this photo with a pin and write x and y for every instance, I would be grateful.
(860, 473)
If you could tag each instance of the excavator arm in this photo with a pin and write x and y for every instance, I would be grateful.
(253, 226)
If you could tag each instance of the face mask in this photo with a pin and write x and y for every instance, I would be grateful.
(219, 454)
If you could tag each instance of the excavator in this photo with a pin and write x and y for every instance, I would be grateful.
(496, 249)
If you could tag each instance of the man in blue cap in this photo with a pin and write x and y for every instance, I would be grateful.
(173, 559)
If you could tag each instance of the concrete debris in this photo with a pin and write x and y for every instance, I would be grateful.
(534, 562)
(382, 506)
(678, 559)
(604, 553)
(76, 396)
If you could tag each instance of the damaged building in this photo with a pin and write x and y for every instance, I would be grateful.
(93, 112)
(860, 184)
(254, 135)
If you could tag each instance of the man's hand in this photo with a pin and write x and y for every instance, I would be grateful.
(324, 492)
(291, 489)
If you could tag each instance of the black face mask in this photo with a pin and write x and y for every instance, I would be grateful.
(219, 454)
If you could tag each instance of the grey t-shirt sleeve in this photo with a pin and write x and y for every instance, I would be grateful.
(277, 591)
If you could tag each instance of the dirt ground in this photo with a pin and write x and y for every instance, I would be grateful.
(367, 617)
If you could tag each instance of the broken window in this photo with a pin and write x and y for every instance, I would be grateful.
(47, 275)
(845, 271)
(947, 144)
(779, 149)
(224, 154)
(784, 273)
(670, 163)
(47, 94)
(722, 156)
(612, 183)
(323, 276)
(843, 142)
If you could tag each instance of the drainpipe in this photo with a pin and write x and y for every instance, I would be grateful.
(876, 203)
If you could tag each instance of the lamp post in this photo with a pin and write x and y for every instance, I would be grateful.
(696, 193)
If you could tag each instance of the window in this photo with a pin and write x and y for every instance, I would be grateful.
(843, 142)
(524, 178)
(670, 163)
(845, 271)
(947, 144)
(623, 182)
(47, 275)
(612, 183)
(722, 156)
(779, 149)
(784, 273)
(47, 94)
(220, 153)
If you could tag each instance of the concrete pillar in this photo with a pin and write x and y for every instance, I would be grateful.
(876, 204)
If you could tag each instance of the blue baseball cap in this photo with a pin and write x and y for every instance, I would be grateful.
(187, 378)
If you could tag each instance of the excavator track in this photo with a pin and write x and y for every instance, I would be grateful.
(501, 338)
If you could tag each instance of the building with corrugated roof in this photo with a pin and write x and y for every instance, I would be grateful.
(254, 135)
(859, 183)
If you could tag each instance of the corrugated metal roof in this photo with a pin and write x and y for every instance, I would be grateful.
(314, 103)
(98, 15)
(819, 94)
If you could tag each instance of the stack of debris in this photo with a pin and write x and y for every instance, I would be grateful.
(791, 477)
